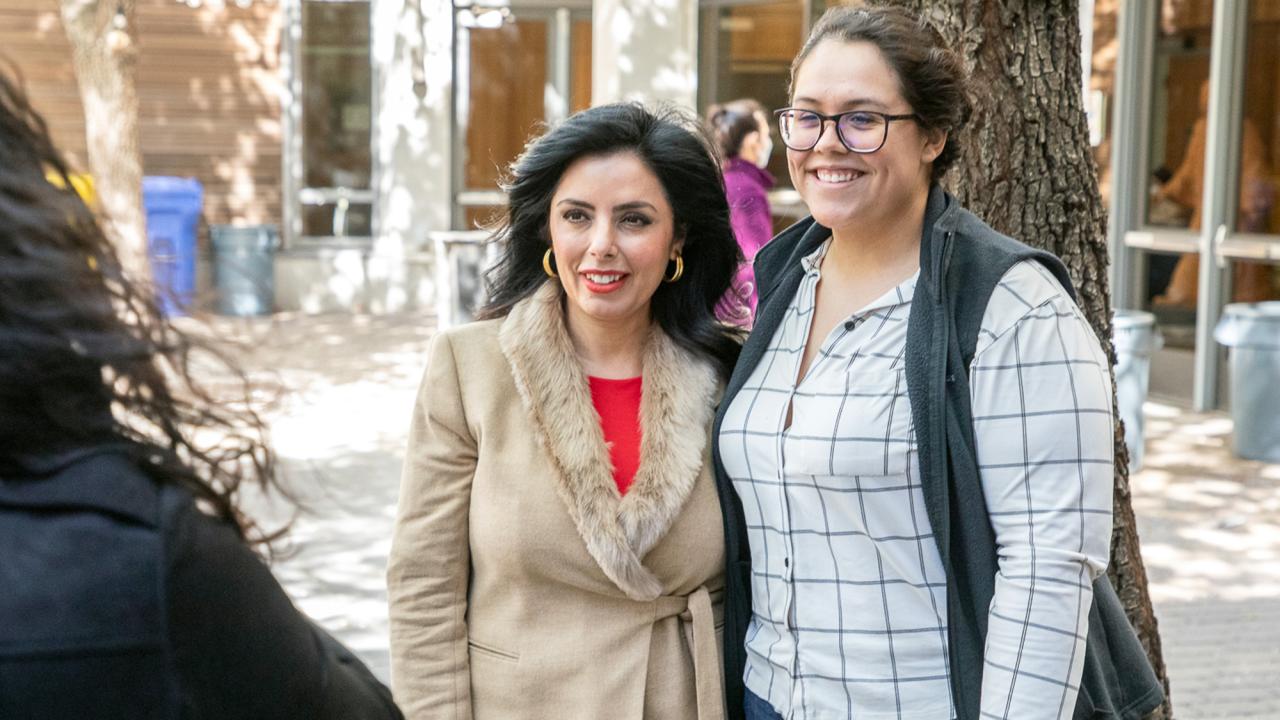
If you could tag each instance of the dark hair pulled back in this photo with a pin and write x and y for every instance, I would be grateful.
(675, 148)
(731, 123)
(931, 76)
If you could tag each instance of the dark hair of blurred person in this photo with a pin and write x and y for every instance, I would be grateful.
(733, 122)
(676, 149)
(127, 587)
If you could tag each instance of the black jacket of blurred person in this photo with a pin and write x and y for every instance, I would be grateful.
(128, 586)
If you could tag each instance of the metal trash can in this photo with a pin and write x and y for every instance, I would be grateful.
(1136, 337)
(1252, 331)
(173, 206)
(244, 269)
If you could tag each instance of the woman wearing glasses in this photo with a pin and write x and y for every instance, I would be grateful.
(557, 551)
(914, 452)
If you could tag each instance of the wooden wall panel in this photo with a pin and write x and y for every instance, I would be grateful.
(770, 34)
(209, 89)
(32, 41)
(508, 75)
(580, 66)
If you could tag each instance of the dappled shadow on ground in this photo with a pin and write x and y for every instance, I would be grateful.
(1210, 528)
(1210, 522)
(329, 384)
(337, 392)
(336, 558)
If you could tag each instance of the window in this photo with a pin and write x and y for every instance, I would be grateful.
(336, 120)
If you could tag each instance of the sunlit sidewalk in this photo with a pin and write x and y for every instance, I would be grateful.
(339, 391)
(342, 389)
(1210, 527)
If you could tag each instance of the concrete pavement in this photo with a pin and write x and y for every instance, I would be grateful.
(1210, 529)
(338, 391)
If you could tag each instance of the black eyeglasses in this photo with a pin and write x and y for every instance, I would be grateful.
(861, 131)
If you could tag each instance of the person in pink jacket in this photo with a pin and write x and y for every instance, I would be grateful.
(741, 131)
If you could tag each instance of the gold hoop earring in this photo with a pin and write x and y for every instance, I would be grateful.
(679, 270)
(546, 264)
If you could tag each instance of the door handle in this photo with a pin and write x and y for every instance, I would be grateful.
(1220, 237)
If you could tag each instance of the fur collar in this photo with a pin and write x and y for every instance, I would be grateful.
(675, 413)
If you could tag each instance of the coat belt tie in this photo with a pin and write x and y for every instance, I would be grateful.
(698, 621)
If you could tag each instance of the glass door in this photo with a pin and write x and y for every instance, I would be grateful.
(1206, 233)
(1175, 168)
(331, 168)
(518, 68)
(1253, 250)
(1170, 149)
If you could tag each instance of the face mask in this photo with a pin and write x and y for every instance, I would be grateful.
(766, 149)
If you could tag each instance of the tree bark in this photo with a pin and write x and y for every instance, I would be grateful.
(1026, 168)
(104, 51)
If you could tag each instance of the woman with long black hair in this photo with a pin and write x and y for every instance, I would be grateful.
(127, 585)
(558, 551)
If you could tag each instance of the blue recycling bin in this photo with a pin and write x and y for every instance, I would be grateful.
(173, 206)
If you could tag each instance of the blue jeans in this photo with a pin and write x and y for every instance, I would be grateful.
(757, 709)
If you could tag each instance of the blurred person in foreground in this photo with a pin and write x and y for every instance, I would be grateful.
(558, 550)
(741, 131)
(127, 585)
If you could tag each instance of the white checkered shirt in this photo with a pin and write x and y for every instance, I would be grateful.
(848, 590)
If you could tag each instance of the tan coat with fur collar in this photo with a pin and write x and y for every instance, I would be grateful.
(521, 584)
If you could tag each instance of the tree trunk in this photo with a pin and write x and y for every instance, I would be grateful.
(1027, 170)
(104, 51)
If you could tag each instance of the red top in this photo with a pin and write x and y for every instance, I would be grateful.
(618, 403)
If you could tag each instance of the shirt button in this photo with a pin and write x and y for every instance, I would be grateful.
(850, 325)
(786, 562)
